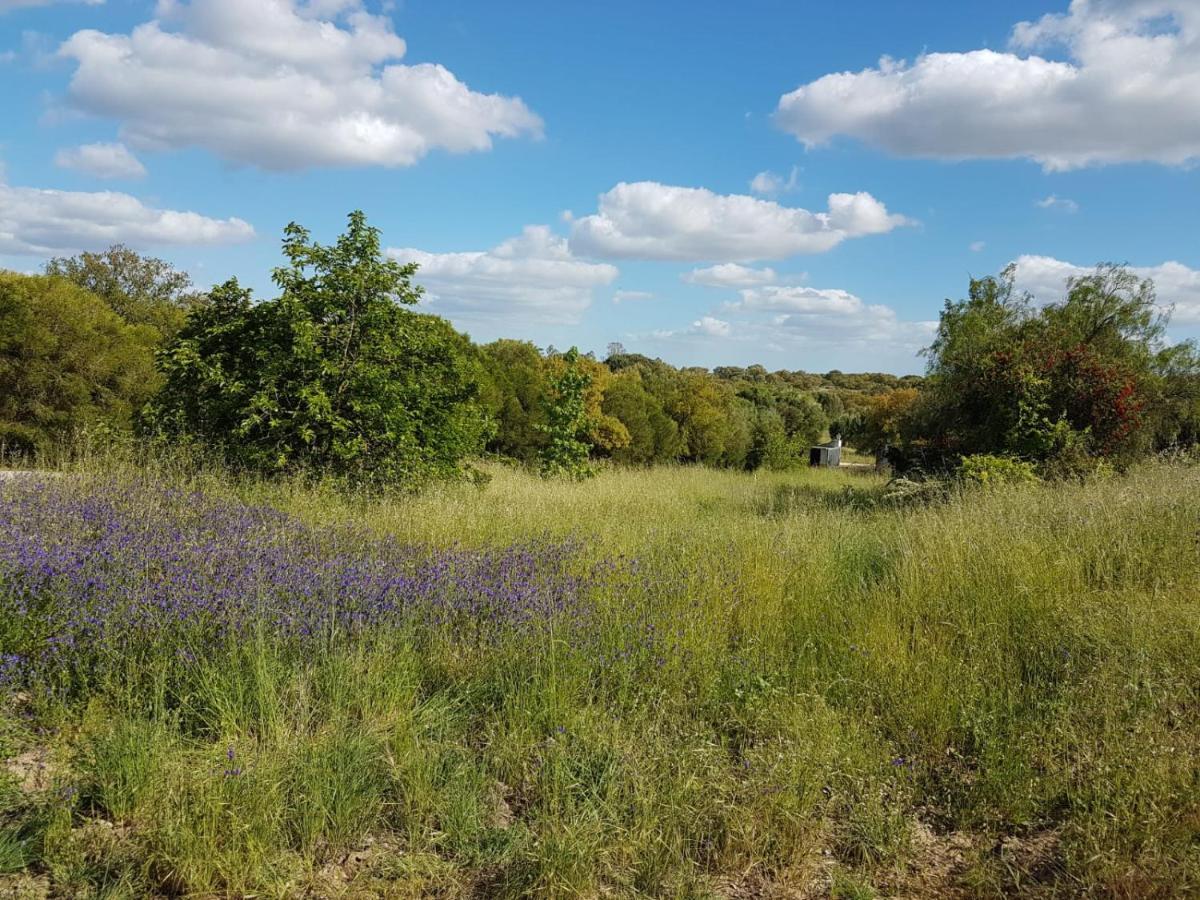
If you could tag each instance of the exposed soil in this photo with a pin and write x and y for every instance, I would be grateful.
(24, 887)
(33, 769)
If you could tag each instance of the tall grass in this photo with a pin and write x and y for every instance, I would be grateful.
(771, 682)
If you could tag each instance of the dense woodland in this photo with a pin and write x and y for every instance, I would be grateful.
(339, 375)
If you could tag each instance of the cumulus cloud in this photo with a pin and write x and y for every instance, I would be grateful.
(712, 327)
(769, 184)
(41, 222)
(648, 220)
(1128, 90)
(282, 84)
(977, 246)
(1056, 202)
(531, 277)
(1046, 277)
(101, 160)
(730, 275)
(830, 318)
(796, 300)
(820, 323)
(627, 296)
(705, 326)
(874, 334)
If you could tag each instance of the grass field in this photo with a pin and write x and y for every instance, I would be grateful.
(675, 682)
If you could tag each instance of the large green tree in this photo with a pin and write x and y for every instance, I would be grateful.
(514, 393)
(701, 406)
(653, 435)
(68, 363)
(336, 375)
(142, 290)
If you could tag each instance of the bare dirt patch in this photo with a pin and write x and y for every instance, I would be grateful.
(24, 887)
(34, 770)
(939, 862)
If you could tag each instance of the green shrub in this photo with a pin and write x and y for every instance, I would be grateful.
(990, 471)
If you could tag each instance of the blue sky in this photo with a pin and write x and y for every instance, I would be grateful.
(796, 184)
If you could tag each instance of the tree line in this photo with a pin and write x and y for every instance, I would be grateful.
(339, 374)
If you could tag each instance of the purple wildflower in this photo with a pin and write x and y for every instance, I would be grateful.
(97, 570)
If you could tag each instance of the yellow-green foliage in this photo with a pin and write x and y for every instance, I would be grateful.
(68, 364)
(992, 471)
(801, 690)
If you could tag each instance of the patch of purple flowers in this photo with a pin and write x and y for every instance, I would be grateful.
(10, 667)
(95, 567)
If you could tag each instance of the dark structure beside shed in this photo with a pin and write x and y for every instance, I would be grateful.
(828, 454)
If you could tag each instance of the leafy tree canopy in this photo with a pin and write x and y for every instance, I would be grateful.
(653, 435)
(880, 420)
(602, 431)
(514, 394)
(333, 376)
(566, 427)
(142, 290)
(1085, 378)
(68, 363)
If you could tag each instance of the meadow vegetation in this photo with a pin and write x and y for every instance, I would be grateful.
(665, 682)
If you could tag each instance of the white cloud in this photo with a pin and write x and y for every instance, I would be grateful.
(796, 300)
(1127, 91)
(1056, 202)
(41, 222)
(875, 337)
(977, 246)
(730, 275)
(1045, 277)
(532, 277)
(648, 220)
(769, 184)
(281, 85)
(705, 326)
(829, 316)
(828, 324)
(712, 327)
(101, 160)
(10, 5)
(627, 296)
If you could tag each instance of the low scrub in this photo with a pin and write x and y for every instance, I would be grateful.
(992, 471)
